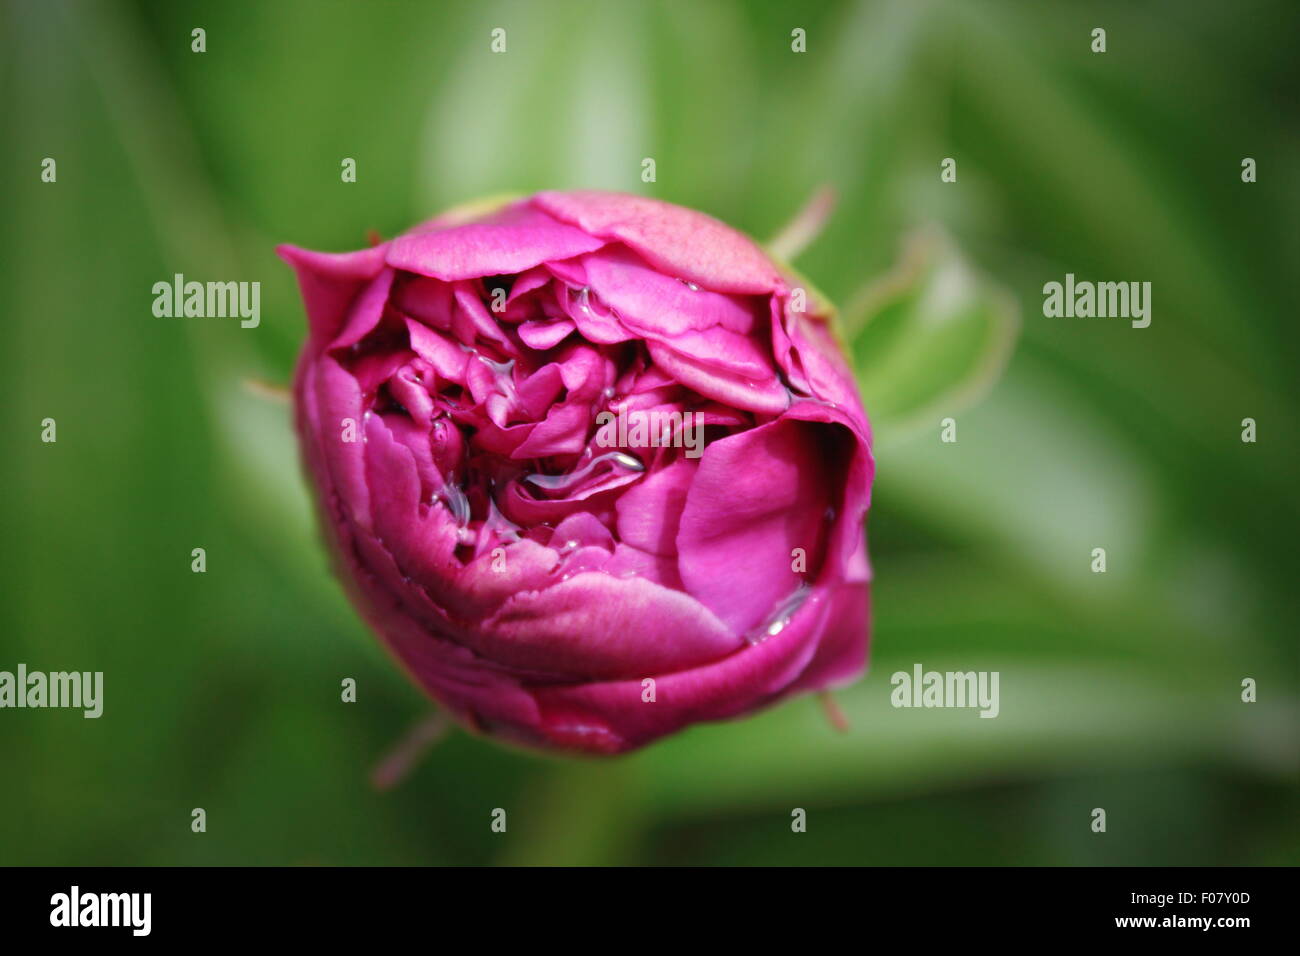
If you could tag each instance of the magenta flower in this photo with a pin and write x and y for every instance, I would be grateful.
(587, 468)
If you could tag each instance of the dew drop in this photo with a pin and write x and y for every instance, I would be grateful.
(502, 375)
(562, 482)
(453, 496)
(781, 616)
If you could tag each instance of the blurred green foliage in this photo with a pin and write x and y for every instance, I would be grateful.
(1119, 690)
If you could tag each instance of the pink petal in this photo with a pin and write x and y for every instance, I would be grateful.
(680, 242)
(337, 399)
(766, 395)
(612, 716)
(595, 625)
(448, 359)
(580, 530)
(650, 511)
(648, 301)
(421, 539)
(510, 241)
(759, 495)
(330, 282)
(842, 649)
(545, 335)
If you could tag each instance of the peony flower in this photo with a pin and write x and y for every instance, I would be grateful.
(592, 466)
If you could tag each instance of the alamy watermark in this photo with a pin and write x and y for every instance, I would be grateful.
(1101, 300)
(651, 429)
(76, 908)
(82, 690)
(922, 688)
(209, 300)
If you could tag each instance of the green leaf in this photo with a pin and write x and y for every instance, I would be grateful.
(1053, 720)
(930, 338)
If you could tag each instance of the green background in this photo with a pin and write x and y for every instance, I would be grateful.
(1118, 690)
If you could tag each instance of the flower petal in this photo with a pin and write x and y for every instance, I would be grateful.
(650, 511)
(329, 283)
(759, 502)
(509, 241)
(647, 301)
(611, 716)
(681, 242)
(595, 625)
(714, 380)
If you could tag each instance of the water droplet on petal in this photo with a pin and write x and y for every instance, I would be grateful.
(453, 496)
(502, 375)
(781, 616)
(562, 482)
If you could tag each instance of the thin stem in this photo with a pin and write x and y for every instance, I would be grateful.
(268, 390)
(834, 715)
(409, 751)
(806, 225)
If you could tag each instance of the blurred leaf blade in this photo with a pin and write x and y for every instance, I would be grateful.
(930, 338)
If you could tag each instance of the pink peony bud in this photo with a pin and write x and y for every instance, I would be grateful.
(586, 469)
